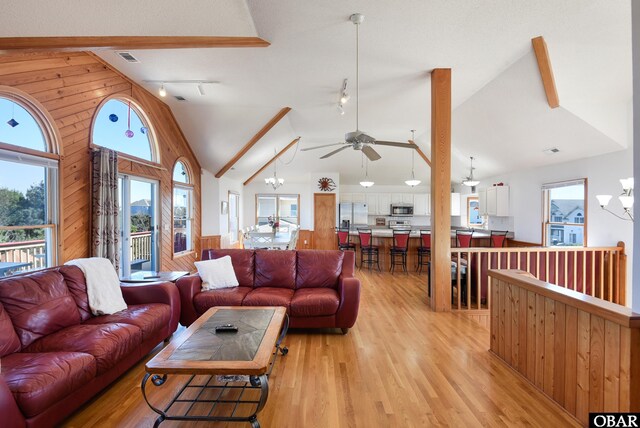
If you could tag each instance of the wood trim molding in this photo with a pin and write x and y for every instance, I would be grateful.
(93, 43)
(261, 133)
(441, 189)
(421, 153)
(546, 73)
(273, 159)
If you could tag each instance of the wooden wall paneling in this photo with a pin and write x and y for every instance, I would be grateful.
(210, 242)
(611, 387)
(549, 342)
(582, 373)
(570, 359)
(559, 344)
(532, 325)
(71, 86)
(540, 320)
(305, 235)
(523, 328)
(596, 365)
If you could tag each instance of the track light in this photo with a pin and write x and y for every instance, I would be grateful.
(162, 91)
(201, 88)
(340, 109)
(344, 96)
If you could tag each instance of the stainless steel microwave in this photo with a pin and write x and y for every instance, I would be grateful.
(401, 210)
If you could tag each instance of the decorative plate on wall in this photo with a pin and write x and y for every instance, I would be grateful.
(326, 184)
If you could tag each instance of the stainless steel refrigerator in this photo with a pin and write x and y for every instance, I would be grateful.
(352, 215)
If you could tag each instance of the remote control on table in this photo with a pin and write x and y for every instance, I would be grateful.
(226, 328)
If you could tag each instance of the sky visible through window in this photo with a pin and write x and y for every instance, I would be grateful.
(107, 133)
(27, 133)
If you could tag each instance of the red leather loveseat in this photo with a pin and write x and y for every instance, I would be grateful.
(55, 355)
(317, 287)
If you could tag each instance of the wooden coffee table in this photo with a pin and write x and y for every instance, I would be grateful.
(229, 371)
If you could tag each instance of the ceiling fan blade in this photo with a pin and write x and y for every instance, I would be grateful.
(370, 153)
(395, 144)
(334, 152)
(319, 147)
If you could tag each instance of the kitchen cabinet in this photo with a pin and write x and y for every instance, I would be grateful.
(496, 201)
(455, 204)
(407, 198)
(346, 197)
(372, 203)
(421, 204)
(396, 198)
(384, 204)
(358, 198)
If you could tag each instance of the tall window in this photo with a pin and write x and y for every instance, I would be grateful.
(283, 209)
(564, 213)
(234, 216)
(182, 208)
(120, 125)
(28, 188)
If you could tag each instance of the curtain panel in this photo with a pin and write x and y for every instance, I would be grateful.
(105, 226)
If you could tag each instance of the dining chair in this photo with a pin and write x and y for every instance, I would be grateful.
(399, 249)
(498, 238)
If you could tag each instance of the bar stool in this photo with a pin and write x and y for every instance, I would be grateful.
(424, 250)
(463, 238)
(344, 238)
(369, 253)
(399, 249)
(498, 238)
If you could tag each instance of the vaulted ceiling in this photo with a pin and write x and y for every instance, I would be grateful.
(500, 112)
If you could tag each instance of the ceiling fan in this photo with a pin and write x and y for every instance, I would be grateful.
(358, 140)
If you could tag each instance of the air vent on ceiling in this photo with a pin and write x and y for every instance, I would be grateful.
(551, 151)
(180, 98)
(128, 57)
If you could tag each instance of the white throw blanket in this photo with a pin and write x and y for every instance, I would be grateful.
(103, 285)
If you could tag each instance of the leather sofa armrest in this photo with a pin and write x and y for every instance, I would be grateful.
(157, 292)
(349, 292)
(11, 415)
(188, 287)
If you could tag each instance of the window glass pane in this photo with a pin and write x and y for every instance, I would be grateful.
(181, 219)
(180, 173)
(22, 194)
(266, 207)
(566, 215)
(111, 130)
(26, 133)
(23, 250)
(233, 216)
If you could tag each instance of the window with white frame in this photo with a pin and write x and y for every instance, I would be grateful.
(182, 208)
(564, 213)
(28, 188)
(283, 210)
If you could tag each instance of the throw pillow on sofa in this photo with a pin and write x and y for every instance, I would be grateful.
(217, 273)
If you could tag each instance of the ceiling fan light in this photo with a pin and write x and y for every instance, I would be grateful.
(344, 98)
(413, 182)
(366, 184)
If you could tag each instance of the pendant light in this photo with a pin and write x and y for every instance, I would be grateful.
(413, 182)
(366, 183)
(470, 181)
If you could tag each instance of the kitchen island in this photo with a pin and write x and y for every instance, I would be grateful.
(383, 238)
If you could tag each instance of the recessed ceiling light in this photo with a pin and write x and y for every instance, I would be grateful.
(551, 151)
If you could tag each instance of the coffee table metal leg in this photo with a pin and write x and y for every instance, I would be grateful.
(263, 382)
(157, 380)
(285, 327)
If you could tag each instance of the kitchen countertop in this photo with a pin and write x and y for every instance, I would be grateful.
(386, 232)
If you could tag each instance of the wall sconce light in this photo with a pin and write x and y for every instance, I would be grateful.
(626, 199)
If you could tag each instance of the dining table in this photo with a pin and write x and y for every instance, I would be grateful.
(269, 240)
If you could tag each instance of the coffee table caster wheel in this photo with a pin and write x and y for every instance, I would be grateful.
(254, 381)
(254, 422)
(284, 350)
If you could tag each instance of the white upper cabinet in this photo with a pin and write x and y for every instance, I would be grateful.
(384, 203)
(346, 197)
(358, 198)
(497, 201)
(396, 198)
(482, 202)
(455, 204)
(407, 198)
(421, 204)
(372, 203)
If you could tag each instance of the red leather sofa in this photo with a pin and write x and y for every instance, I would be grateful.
(317, 287)
(55, 355)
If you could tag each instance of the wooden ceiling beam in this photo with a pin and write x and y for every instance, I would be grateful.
(261, 133)
(273, 159)
(544, 65)
(421, 153)
(93, 43)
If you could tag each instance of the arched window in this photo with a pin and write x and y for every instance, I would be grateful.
(121, 125)
(182, 207)
(28, 185)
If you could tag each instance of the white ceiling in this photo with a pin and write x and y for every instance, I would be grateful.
(500, 112)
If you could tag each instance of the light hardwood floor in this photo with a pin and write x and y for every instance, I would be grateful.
(402, 365)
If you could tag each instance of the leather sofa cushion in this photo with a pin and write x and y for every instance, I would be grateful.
(309, 302)
(38, 304)
(10, 342)
(77, 286)
(319, 269)
(108, 343)
(275, 269)
(269, 296)
(232, 296)
(149, 318)
(242, 261)
(38, 381)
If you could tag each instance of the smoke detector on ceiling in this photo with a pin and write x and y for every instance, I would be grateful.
(128, 57)
(551, 151)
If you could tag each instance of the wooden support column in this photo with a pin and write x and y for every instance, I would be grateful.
(441, 189)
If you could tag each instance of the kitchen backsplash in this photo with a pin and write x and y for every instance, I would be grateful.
(500, 223)
(416, 220)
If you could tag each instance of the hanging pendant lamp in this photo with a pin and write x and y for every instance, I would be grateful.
(413, 182)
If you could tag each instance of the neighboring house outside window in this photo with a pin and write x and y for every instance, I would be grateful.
(28, 186)
(563, 215)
